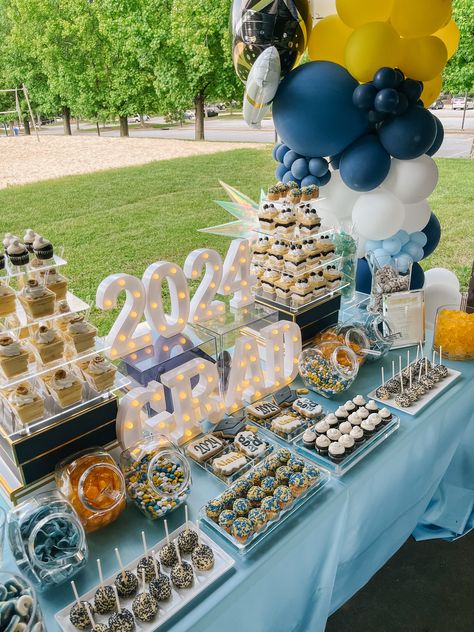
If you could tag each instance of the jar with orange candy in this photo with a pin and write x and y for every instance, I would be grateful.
(454, 333)
(94, 485)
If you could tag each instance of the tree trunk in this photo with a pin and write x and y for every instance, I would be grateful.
(199, 113)
(67, 120)
(124, 126)
(26, 125)
(98, 128)
(464, 113)
(142, 120)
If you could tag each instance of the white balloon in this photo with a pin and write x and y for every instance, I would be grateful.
(441, 275)
(337, 198)
(262, 84)
(416, 216)
(436, 295)
(378, 215)
(412, 180)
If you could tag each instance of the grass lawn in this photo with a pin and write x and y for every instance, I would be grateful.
(124, 219)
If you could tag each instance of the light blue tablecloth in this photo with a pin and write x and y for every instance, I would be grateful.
(421, 481)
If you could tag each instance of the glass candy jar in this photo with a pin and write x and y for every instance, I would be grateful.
(47, 539)
(371, 337)
(157, 475)
(329, 368)
(20, 608)
(94, 485)
(454, 333)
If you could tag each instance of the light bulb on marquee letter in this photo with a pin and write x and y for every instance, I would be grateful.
(281, 352)
(132, 424)
(203, 306)
(236, 277)
(153, 278)
(246, 378)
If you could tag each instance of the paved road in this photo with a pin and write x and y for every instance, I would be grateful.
(457, 144)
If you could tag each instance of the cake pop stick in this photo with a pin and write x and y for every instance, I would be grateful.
(426, 366)
(408, 357)
(89, 614)
(433, 358)
(401, 381)
(155, 565)
(383, 376)
(400, 364)
(410, 377)
(101, 576)
(145, 548)
(417, 353)
(419, 372)
(177, 552)
(76, 594)
(119, 560)
(166, 531)
(117, 600)
(393, 369)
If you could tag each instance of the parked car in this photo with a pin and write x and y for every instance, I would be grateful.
(459, 103)
(437, 105)
(211, 111)
(47, 120)
(136, 118)
(189, 115)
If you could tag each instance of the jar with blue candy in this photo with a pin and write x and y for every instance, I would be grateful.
(372, 333)
(47, 540)
(329, 368)
(157, 475)
(19, 608)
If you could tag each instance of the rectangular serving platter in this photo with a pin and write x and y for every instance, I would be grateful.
(223, 562)
(426, 399)
(339, 469)
(258, 537)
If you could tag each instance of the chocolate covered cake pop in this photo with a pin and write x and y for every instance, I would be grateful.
(188, 538)
(202, 557)
(160, 587)
(182, 575)
(122, 621)
(104, 600)
(127, 583)
(79, 616)
(168, 555)
(145, 607)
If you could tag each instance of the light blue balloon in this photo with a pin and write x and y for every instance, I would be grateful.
(403, 236)
(382, 256)
(403, 262)
(419, 238)
(392, 245)
(371, 245)
(413, 250)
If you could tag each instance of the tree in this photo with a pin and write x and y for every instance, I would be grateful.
(459, 73)
(195, 63)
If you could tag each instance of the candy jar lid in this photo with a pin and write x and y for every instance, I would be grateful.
(342, 358)
(101, 487)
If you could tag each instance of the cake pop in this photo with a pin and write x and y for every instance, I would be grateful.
(146, 562)
(96, 627)
(168, 555)
(78, 614)
(126, 582)
(188, 538)
(144, 606)
(104, 598)
(160, 585)
(182, 575)
(202, 556)
(122, 620)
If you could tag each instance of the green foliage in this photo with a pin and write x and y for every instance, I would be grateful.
(458, 76)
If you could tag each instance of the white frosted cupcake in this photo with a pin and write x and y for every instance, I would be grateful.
(368, 428)
(345, 427)
(348, 442)
(333, 434)
(332, 420)
(376, 419)
(359, 401)
(355, 419)
(363, 412)
(336, 452)
(322, 445)
(357, 434)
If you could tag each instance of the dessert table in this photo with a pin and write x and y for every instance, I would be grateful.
(419, 481)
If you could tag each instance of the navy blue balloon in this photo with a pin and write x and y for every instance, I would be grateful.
(290, 158)
(274, 151)
(334, 161)
(280, 171)
(417, 280)
(280, 152)
(288, 177)
(432, 231)
(400, 76)
(325, 178)
(313, 110)
(410, 135)
(376, 117)
(300, 168)
(412, 89)
(403, 103)
(318, 167)
(385, 78)
(387, 100)
(364, 96)
(365, 164)
(309, 180)
(439, 137)
(363, 276)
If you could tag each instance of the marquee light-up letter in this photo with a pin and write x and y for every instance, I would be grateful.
(246, 378)
(153, 278)
(203, 306)
(236, 277)
(281, 352)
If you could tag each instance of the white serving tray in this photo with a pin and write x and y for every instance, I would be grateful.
(179, 598)
(426, 399)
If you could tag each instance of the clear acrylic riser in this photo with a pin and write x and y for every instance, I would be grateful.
(296, 236)
(17, 322)
(320, 265)
(36, 369)
(258, 538)
(288, 304)
(10, 271)
(265, 424)
(12, 428)
(359, 453)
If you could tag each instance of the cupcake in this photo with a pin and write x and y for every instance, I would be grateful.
(258, 518)
(341, 414)
(294, 196)
(283, 455)
(386, 415)
(298, 483)
(229, 496)
(17, 253)
(376, 419)
(363, 412)
(283, 474)
(305, 194)
(273, 193)
(321, 427)
(333, 434)
(269, 484)
(336, 452)
(372, 407)
(296, 464)
(309, 437)
(241, 507)
(214, 508)
(242, 529)
(271, 507)
(226, 519)
(42, 248)
(350, 406)
(283, 496)
(255, 496)
(357, 434)
(322, 444)
(355, 419)
(359, 401)
(241, 487)
(345, 427)
(292, 185)
(347, 442)
(9, 237)
(332, 420)
(368, 428)
(29, 239)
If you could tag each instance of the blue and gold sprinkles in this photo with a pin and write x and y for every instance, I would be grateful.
(242, 529)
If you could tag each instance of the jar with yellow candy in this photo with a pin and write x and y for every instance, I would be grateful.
(454, 333)
(94, 485)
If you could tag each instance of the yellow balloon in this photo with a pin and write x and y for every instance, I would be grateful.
(370, 47)
(431, 90)
(423, 58)
(358, 12)
(450, 36)
(328, 40)
(415, 18)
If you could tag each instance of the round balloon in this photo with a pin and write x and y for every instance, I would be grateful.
(280, 152)
(431, 90)
(378, 215)
(371, 46)
(441, 275)
(433, 233)
(436, 295)
(355, 14)
(412, 89)
(439, 138)
(416, 216)
(310, 180)
(412, 180)
(392, 245)
(364, 96)
(387, 100)
(327, 41)
(261, 86)
(417, 279)
(299, 168)
(382, 257)
(258, 24)
(318, 167)
(365, 164)
(419, 238)
(420, 17)
(409, 135)
(339, 199)
(323, 180)
(413, 250)
(280, 172)
(290, 158)
(313, 110)
(450, 35)
(363, 276)
(387, 78)
(423, 58)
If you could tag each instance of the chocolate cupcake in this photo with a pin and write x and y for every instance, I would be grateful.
(17, 253)
(347, 442)
(309, 438)
(322, 444)
(368, 428)
(363, 412)
(341, 414)
(29, 239)
(359, 401)
(355, 419)
(336, 452)
(332, 420)
(333, 434)
(345, 427)
(376, 419)
(42, 248)
(321, 427)
(386, 415)
(357, 434)
(372, 407)
(350, 406)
